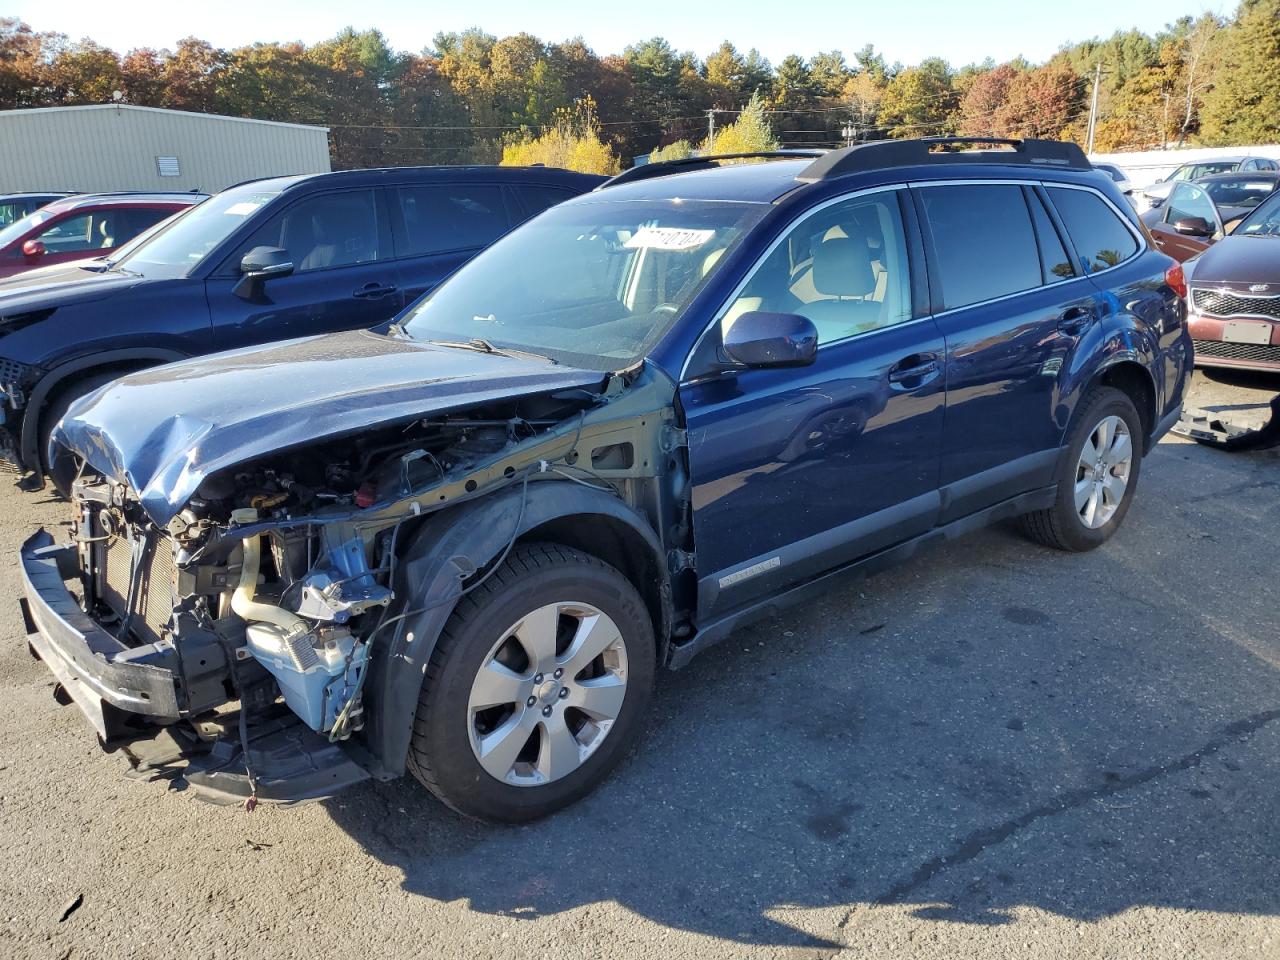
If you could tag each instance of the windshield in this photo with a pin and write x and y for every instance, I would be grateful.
(16, 229)
(592, 284)
(183, 242)
(1264, 221)
(1192, 171)
(1239, 191)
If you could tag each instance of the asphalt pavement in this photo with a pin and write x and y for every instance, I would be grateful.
(993, 751)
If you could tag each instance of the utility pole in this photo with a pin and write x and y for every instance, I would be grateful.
(1093, 108)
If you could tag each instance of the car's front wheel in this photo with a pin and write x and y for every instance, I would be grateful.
(535, 688)
(1097, 475)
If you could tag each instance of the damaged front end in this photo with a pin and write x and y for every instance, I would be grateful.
(228, 644)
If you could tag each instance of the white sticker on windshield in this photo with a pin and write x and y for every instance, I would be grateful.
(669, 238)
(242, 209)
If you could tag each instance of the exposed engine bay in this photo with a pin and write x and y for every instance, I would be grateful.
(276, 581)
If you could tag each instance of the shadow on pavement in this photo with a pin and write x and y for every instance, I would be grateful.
(993, 726)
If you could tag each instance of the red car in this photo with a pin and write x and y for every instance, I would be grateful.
(89, 225)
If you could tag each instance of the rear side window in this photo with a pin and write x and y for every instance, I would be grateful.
(535, 198)
(450, 216)
(1053, 255)
(1101, 238)
(984, 246)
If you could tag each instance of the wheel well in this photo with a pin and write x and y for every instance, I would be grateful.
(620, 546)
(1133, 380)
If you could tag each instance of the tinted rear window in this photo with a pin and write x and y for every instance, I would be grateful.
(453, 216)
(1101, 238)
(983, 242)
(537, 198)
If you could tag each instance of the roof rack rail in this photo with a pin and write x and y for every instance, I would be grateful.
(879, 154)
(663, 168)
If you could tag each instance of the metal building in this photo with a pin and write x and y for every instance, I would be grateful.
(122, 147)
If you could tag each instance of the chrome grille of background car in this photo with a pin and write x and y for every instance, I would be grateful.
(113, 560)
(1253, 352)
(1220, 303)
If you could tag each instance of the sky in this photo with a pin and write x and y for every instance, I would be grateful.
(961, 31)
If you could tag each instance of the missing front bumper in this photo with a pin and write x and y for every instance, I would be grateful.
(102, 676)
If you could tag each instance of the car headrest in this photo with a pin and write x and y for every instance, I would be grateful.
(842, 268)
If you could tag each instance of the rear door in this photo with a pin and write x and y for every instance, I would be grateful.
(1015, 311)
(797, 471)
(441, 225)
(343, 275)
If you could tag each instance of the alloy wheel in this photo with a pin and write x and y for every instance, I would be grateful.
(547, 694)
(1102, 472)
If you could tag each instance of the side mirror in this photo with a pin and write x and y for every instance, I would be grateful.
(1193, 227)
(33, 250)
(259, 265)
(758, 339)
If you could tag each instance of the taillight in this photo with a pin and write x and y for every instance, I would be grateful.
(1175, 278)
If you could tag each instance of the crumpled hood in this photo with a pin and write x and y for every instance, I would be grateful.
(163, 430)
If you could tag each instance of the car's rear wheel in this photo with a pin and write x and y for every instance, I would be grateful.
(535, 688)
(1097, 476)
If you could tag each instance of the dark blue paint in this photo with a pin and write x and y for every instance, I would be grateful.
(51, 326)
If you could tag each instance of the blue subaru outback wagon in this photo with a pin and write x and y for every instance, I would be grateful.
(464, 546)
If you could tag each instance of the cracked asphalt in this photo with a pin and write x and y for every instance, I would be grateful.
(994, 751)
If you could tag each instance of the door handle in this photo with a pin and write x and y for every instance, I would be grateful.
(372, 291)
(1075, 319)
(918, 366)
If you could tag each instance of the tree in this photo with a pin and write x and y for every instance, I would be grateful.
(1041, 103)
(864, 92)
(191, 76)
(23, 64)
(750, 133)
(829, 72)
(573, 143)
(142, 77)
(1196, 58)
(980, 111)
(84, 72)
(1244, 105)
(919, 101)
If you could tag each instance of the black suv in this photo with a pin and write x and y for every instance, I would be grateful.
(261, 261)
(464, 547)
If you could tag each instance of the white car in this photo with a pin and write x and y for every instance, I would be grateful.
(1158, 192)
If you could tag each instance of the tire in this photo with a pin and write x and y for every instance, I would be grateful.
(1067, 525)
(59, 402)
(493, 630)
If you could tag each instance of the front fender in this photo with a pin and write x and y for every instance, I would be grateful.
(446, 551)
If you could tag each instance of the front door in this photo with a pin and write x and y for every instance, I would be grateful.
(343, 275)
(1188, 206)
(796, 471)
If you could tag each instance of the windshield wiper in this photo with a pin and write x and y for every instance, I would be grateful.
(484, 346)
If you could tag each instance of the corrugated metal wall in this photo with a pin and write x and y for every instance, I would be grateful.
(101, 148)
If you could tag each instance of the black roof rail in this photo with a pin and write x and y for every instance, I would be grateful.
(879, 154)
(663, 168)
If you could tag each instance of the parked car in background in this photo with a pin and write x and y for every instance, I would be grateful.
(1119, 176)
(15, 206)
(1156, 193)
(266, 260)
(466, 542)
(1235, 295)
(1200, 213)
(82, 226)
